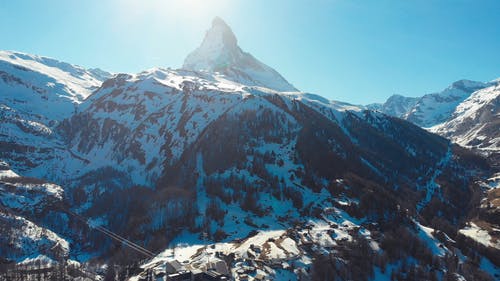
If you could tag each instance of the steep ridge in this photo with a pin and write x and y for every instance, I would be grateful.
(43, 86)
(475, 123)
(431, 109)
(219, 52)
(396, 105)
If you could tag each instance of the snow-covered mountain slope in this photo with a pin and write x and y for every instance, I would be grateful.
(219, 157)
(44, 86)
(36, 93)
(396, 105)
(144, 155)
(282, 151)
(431, 109)
(150, 119)
(163, 156)
(29, 215)
(219, 52)
(22, 239)
(475, 122)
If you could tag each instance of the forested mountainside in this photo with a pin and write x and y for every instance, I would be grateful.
(207, 173)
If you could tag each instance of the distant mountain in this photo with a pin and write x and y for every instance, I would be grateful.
(396, 105)
(467, 112)
(431, 109)
(475, 123)
(219, 52)
(45, 87)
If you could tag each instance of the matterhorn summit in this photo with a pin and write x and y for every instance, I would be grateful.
(219, 52)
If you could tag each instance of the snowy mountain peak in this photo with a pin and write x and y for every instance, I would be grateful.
(221, 31)
(468, 85)
(430, 109)
(218, 49)
(219, 52)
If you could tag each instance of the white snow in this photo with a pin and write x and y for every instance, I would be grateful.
(219, 53)
(480, 235)
(433, 109)
(425, 234)
(8, 174)
(43, 86)
(31, 238)
(467, 126)
(46, 261)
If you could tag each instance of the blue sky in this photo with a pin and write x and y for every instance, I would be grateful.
(358, 51)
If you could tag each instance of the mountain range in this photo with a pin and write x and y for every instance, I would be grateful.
(225, 152)
(467, 112)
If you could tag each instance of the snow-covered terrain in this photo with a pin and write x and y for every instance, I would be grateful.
(436, 108)
(430, 109)
(43, 86)
(475, 122)
(25, 238)
(36, 93)
(224, 161)
(151, 118)
(467, 113)
(396, 105)
(27, 209)
(481, 235)
(219, 52)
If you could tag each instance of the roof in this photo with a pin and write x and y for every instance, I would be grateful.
(173, 266)
(220, 267)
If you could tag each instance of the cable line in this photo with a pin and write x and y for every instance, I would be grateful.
(112, 235)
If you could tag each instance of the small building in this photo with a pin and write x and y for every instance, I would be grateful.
(180, 276)
(260, 277)
(219, 266)
(212, 275)
(173, 267)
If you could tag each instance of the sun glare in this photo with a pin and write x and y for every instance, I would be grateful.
(177, 9)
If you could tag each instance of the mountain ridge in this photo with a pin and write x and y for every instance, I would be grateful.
(219, 52)
(430, 109)
(274, 181)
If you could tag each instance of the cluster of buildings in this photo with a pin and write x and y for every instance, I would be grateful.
(175, 271)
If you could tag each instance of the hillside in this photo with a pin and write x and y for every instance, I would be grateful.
(222, 168)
